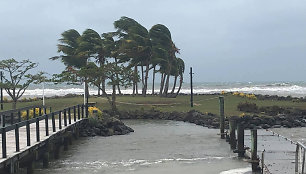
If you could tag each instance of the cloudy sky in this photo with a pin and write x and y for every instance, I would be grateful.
(223, 40)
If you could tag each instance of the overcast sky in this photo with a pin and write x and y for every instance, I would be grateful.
(223, 40)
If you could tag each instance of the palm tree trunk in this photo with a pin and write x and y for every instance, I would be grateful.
(102, 62)
(114, 108)
(174, 84)
(180, 86)
(99, 90)
(133, 88)
(167, 85)
(117, 76)
(142, 79)
(136, 83)
(162, 81)
(153, 80)
(144, 92)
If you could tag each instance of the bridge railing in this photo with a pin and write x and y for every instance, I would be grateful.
(79, 112)
(300, 158)
(15, 115)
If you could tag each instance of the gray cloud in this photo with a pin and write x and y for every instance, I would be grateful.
(236, 40)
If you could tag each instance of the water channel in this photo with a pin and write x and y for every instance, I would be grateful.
(156, 146)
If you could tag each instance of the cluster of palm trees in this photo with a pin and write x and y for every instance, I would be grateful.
(131, 45)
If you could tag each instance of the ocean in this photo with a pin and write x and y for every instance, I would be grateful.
(294, 89)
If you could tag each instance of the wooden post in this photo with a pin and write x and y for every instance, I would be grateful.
(60, 120)
(74, 114)
(3, 142)
(255, 160)
(3, 120)
(65, 144)
(53, 123)
(65, 117)
(1, 90)
(240, 132)
(56, 151)
(47, 124)
(46, 155)
(79, 115)
(297, 158)
(86, 107)
(28, 133)
(82, 107)
(19, 116)
(37, 130)
(263, 161)
(30, 167)
(69, 115)
(232, 138)
(40, 111)
(17, 138)
(191, 88)
(222, 119)
(34, 113)
(12, 118)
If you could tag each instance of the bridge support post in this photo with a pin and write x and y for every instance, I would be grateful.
(222, 119)
(45, 160)
(232, 133)
(240, 132)
(65, 144)
(254, 158)
(56, 151)
(30, 167)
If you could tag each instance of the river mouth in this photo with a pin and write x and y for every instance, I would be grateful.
(156, 146)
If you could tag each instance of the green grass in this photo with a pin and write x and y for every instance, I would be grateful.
(203, 103)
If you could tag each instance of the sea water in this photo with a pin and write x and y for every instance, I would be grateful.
(294, 89)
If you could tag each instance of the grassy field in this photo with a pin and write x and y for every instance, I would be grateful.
(203, 103)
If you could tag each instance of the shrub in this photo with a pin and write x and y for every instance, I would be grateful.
(248, 107)
(91, 113)
(31, 113)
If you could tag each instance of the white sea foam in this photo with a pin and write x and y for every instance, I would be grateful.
(281, 89)
(237, 171)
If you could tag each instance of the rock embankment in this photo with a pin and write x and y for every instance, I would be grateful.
(212, 121)
(105, 127)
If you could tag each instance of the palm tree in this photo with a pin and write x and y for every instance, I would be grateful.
(90, 44)
(164, 49)
(181, 69)
(135, 46)
(69, 47)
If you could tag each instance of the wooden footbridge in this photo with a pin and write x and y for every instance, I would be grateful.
(37, 137)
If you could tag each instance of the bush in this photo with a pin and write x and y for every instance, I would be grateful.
(91, 113)
(31, 113)
(248, 107)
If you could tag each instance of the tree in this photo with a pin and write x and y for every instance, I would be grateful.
(116, 75)
(18, 79)
(135, 46)
(164, 51)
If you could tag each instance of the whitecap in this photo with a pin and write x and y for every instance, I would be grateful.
(237, 171)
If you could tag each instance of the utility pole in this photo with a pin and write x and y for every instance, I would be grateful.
(191, 88)
(1, 73)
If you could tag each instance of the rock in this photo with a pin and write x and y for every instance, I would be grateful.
(265, 126)
(276, 126)
(287, 124)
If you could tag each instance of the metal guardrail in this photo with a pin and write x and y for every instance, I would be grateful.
(300, 158)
